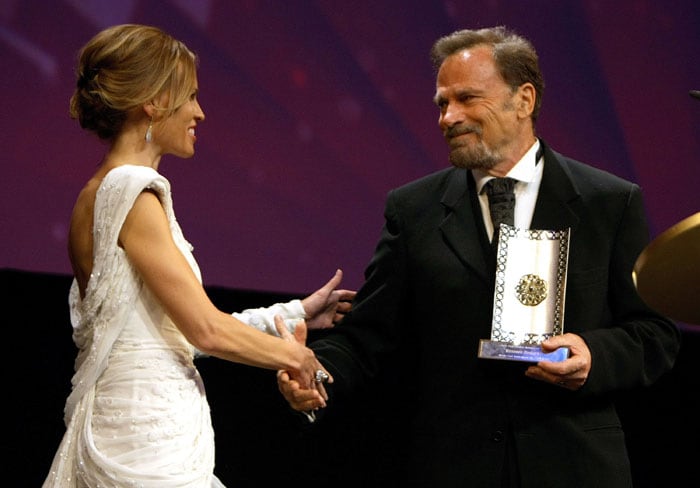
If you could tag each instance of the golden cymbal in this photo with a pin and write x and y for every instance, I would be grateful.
(667, 272)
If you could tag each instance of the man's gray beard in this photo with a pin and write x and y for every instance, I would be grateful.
(473, 158)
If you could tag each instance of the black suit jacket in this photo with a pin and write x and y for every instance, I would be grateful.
(427, 301)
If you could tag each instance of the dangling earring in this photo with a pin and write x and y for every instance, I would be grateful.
(149, 131)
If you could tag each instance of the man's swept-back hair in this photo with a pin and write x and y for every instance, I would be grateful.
(515, 57)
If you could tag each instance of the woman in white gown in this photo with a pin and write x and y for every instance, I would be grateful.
(137, 415)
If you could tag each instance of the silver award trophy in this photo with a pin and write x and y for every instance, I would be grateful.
(528, 302)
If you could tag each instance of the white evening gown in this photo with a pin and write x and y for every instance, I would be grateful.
(137, 415)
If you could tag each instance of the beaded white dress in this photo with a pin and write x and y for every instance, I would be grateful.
(137, 415)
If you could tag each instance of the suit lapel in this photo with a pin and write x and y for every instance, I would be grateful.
(557, 195)
(461, 227)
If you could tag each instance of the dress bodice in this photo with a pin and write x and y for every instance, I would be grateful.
(137, 414)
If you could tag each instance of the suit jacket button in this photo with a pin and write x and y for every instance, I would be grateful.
(497, 436)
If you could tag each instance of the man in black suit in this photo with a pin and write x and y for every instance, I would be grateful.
(428, 297)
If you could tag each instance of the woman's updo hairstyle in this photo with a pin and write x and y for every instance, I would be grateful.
(124, 67)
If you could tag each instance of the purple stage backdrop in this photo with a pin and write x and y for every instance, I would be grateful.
(315, 109)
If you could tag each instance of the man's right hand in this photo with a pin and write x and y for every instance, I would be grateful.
(301, 399)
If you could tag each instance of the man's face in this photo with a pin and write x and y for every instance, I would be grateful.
(478, 115)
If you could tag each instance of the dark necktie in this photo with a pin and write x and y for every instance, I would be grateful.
(501, 203)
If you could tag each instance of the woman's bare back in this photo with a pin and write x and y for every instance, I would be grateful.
(80, 241)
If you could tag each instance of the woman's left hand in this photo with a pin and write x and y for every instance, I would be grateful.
(327, 305)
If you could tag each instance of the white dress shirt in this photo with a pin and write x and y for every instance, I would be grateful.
(528, 175)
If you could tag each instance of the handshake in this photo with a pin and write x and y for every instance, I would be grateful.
(304, 388)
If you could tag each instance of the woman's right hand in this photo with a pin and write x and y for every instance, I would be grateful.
(310, 367)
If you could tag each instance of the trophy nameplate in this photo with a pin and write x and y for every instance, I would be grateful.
(528, 301)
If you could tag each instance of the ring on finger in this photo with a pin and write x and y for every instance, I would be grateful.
(321, 376)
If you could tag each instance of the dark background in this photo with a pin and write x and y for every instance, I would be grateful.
(315, 109)
(260, 443)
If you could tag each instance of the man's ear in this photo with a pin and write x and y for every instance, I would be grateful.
(526, 100)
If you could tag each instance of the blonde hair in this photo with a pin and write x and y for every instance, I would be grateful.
(124, 67)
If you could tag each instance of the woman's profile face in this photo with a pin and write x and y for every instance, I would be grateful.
(175, 134)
